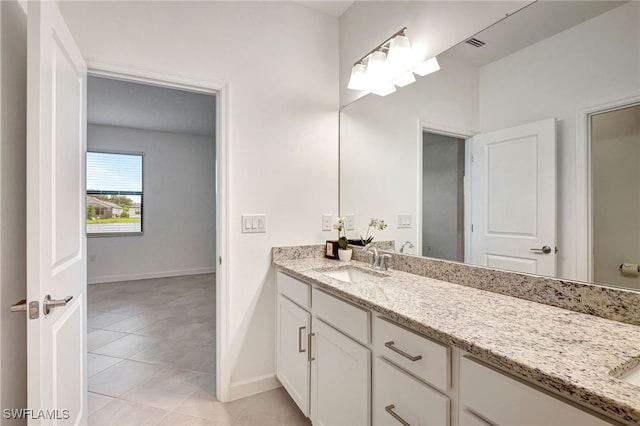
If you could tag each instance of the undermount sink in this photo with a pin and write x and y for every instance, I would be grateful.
(352, 275)
(632, 376)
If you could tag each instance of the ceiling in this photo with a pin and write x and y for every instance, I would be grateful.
(120, 103)
(530, 25)
(333, 8)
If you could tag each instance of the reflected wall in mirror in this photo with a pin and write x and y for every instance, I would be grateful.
(494, 157)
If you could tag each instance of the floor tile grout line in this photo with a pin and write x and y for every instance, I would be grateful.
(204, 322)
(151, 363)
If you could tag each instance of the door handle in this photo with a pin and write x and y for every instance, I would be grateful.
(49, 303)
(544, 249)
(31, 307)
(20, 306)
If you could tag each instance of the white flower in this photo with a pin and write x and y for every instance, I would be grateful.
(377, 224)
(339, 225)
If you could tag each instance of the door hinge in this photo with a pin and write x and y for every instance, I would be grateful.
(472, 227)
(219, 260)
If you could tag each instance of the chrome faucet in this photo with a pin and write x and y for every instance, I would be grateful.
(375, 258)
(378, 261)
(406, 243)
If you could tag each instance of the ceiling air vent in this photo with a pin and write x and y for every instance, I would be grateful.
(475, 42)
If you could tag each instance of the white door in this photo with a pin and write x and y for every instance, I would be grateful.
(56, 240)
(513, 198)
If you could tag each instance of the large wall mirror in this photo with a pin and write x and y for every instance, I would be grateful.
(521, 153)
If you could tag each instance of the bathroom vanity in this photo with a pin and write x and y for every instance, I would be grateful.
(357, 346)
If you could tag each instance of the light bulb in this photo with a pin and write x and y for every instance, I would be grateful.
(358, 80)
(427, 67)
(384, 89)
(404, 79)
(376, 70)
(400, 54)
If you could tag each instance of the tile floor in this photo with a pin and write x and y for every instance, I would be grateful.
(151, 358)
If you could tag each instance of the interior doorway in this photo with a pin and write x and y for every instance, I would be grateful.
(151, 222)
(443, 216)
(615, 186)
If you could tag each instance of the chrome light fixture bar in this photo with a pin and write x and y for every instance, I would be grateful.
(392, 63)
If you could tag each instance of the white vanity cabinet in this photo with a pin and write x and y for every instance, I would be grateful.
(322, 358)
(400, 399)
(341, 366)
(488, 396)
(293, 327)
(292, 330)
(427, 360)
(340, 378)
(411, 375)
(346, 365)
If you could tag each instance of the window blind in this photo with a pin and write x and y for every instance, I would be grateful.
(114, 193)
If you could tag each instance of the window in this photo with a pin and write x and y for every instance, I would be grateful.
(114, 193)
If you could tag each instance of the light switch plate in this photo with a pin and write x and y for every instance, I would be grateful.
(404, 221)
(350, 222)
(254, 223)
(326, 222)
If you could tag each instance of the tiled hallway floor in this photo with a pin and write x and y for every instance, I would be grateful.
(151, 358)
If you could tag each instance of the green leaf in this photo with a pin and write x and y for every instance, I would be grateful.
(343, 242)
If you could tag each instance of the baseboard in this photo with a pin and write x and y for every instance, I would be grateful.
(147, 275)
(253, 386)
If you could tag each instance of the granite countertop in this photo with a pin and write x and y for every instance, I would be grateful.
(573, 354)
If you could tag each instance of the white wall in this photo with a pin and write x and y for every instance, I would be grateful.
(280, 60)
(179, 207)
(13, 92)
(381, 137)
(615, 155)
(589, 64)
(432, 27)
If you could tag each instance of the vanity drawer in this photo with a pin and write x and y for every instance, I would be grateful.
(413, 401)
(503, 400)
(403, 347)
(344, 316)
(294, 290)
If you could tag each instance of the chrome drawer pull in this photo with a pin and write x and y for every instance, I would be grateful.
(389, 409)
(401, 352)
(300, 330)
(309, 357)
(300, 348)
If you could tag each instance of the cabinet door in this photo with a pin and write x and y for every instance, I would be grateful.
(340, 377)
(292, 352)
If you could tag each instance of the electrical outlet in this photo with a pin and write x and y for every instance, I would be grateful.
(350, 222)
(254, 223)
(404, 221)
(327, 224)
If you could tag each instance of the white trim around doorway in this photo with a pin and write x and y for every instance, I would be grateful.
(424, 126)
(584, 216)
(221, 92)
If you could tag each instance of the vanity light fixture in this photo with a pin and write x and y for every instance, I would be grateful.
(390, 64)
